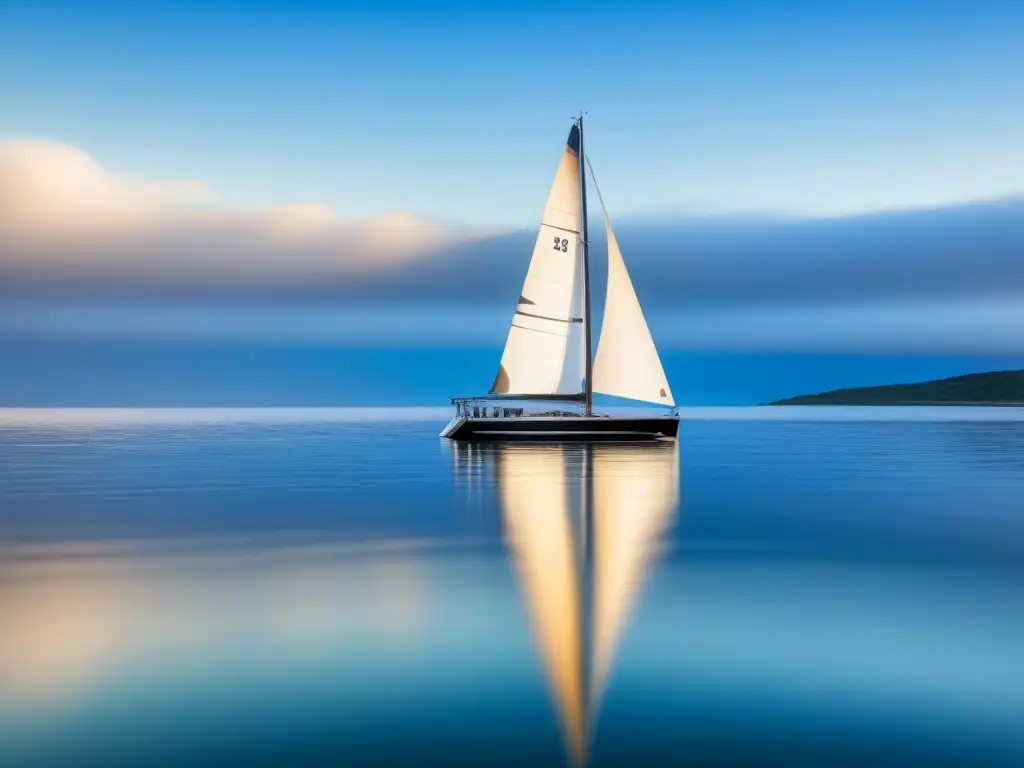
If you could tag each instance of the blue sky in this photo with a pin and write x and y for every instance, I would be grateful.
(456, 111)
(226, 173)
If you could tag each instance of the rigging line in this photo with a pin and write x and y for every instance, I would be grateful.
(597, 187)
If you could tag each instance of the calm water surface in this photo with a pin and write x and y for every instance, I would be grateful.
(343, 587)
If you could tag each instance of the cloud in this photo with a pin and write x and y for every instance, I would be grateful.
(980, 326)
(168, 259)
(50, 190)
(63, 216)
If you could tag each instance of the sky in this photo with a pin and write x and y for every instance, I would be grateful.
(456, 111)
(783, 177)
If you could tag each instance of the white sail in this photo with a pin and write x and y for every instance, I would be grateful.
(544, 352)
(635, 493)
(539, 533)
(627, 363)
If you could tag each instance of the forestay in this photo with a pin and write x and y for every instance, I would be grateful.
(627, 363)
(544, 352)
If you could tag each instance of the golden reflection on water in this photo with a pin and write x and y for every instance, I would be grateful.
(60, 624)
(71, 613)
(581, 523)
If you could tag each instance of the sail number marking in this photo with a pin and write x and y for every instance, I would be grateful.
(561, 244)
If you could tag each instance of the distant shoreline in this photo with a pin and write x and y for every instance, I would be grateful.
(807, 400)
(994, 389)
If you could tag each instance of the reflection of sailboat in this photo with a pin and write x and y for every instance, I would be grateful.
(580, 573)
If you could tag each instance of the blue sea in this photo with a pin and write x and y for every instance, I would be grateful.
(339, 586)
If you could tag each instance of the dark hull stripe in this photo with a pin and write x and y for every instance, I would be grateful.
(556, 429)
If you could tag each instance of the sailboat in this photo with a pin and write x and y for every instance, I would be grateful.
(547, 357)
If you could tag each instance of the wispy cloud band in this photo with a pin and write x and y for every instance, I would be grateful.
(168, 259)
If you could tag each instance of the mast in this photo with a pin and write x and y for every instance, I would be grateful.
(588, 381)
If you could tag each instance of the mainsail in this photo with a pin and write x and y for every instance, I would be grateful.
(544, 352)
(627, 363)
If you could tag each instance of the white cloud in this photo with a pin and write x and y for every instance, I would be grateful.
(60, 208)
(48, 188)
